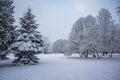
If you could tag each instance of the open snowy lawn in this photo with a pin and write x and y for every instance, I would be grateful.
(60, 67)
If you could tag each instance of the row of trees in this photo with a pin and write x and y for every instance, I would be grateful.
(60, 46)
(89, 35)
(24, 41)
(92, 35)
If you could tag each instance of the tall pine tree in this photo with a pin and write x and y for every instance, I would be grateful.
(7, 30)
(29, 42)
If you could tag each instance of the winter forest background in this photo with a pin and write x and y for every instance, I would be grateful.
(92, 39)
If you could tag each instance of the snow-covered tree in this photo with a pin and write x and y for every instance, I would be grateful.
(105, 24)
(83, 36)
(89, 43)
(116, 42)
(76, 35)
(118, 12)
(29, 42)
(117, 35)
(7, 29)
(46, 45)
(93, 36)
(60, 46)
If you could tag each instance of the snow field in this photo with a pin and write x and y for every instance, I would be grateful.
(60, 67)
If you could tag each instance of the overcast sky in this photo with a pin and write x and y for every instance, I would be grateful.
(56, 17)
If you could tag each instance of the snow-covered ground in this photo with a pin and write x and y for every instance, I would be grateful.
(60, 67)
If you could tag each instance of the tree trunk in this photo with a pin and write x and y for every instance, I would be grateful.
(94, 55)
(98, 56)
(110, 55)
(86, 54)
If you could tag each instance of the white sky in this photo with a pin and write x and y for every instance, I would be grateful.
(56, 17)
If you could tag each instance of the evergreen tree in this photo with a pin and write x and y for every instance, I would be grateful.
(7, 30)
(29, 42)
